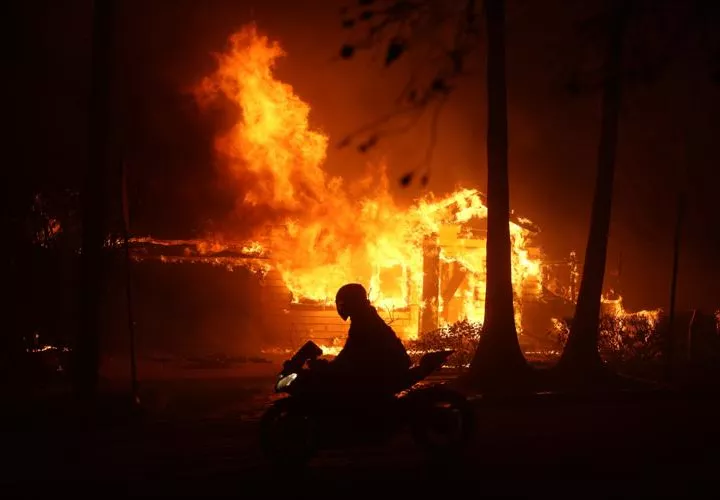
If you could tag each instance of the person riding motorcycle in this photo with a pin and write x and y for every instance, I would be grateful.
(373, 359)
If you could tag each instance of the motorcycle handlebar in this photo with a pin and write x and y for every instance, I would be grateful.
(309, 351)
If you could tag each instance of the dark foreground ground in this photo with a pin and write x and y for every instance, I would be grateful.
(201, 438)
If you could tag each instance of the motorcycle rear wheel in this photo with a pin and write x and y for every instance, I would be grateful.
(442, 421)
(286, 435)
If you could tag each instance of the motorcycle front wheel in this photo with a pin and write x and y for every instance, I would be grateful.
(442, 421)
(286, 435)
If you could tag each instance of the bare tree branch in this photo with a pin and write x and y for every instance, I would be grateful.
(444, 32)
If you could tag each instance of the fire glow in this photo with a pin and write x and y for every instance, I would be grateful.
(322, 231)
(318, 232)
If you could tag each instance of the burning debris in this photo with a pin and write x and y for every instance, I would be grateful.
(250, 255)
(618, 327)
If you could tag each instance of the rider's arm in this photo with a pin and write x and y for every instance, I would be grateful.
(349, 353)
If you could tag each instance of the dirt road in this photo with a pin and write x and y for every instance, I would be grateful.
(660, 441)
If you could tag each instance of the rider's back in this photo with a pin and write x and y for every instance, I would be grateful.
(373, 349)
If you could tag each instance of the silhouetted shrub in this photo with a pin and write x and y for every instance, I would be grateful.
(629, 343)
(461, 337)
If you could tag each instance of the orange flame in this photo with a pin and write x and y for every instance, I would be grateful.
(326, 232)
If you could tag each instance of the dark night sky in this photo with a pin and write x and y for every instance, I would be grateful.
(164, 47)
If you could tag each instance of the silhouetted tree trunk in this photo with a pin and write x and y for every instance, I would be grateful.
(498, 360)
(86, 355)
(670, 335)
(581, 351)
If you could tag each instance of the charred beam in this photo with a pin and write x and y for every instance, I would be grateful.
(456, 279)
(431, 284)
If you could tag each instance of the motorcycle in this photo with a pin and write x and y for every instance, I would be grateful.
(297, 427)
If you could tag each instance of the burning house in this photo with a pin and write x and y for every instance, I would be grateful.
(423, 264)
(448, 291)
(445, 287)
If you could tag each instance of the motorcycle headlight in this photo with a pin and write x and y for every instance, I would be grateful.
(285, 381)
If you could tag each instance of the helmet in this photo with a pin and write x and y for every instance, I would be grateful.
(351, 299)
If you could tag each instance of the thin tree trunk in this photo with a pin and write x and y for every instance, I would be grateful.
(581, 351)
(498, 359)
(86, 355)
(670, 339)
(135, 388)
